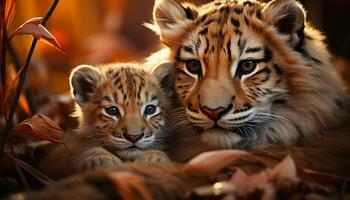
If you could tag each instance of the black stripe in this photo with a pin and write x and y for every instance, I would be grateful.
(280, 101)
(235, 22)
(188, 49)
(246, 20)
(189, 13)
(238, 10)
(277, 68)
(253, 49)
(207, 47)
(267, 55)
(228, 46)
(204, 31)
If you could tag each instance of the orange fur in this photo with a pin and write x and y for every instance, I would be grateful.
(291, 96)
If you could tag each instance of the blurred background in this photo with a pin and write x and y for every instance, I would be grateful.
(100, 31)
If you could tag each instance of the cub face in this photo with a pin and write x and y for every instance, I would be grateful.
(119, 107)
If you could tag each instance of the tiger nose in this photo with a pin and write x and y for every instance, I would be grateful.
(216, 113)
(133, 137)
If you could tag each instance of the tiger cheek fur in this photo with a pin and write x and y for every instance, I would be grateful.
(247, 74)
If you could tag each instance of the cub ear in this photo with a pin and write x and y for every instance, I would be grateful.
(288, 16)
(164, 74)
(171, 19)
(83, 80)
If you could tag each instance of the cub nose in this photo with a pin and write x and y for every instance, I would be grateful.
(133, 138)
(216, 113)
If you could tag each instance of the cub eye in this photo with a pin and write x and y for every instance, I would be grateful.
(246, 67)
(113, 111)
(150, 110)
(194, 67)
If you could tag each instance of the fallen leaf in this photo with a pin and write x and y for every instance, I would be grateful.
(210, 163)
(41, 127)
(36, 173)
(130, 186)
(34, 28)
(285, 169)
(238, 177)
(319, 177)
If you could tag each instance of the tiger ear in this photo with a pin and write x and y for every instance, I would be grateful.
(83, 81)
(288, 16)
(171, 19)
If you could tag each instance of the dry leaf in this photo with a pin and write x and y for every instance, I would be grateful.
(321, 178)
(130, 186)
(36, 173)
(33, 27)
(238, 177)
(285, 169)
(210, 163)
(40, 127)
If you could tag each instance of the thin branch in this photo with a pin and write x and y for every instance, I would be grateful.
(15, 60)
(22, 78)
(3, 54)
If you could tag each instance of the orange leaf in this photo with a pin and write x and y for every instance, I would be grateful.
(130, 186)
(211, 162)
(40, 127)
(23, 103)
(238, 177)
(285, 169)
(33, 27)
(9, 11)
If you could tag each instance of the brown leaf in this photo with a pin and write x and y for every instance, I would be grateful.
(319, 177)
(285, 169)
(40, 127)
(33, 27)
(210, 163)
(238, 177)
(130, 186)
(36, 173)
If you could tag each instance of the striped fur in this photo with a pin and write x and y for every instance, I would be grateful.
(291, 93)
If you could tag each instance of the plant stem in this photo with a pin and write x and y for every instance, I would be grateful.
(15, 60)
(22, 78)
(3, 59)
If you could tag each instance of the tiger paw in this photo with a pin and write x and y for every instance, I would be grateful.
(99, 162)
(153, 157)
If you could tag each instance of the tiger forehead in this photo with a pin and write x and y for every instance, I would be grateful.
(218, 11)
(131, 82)
(220, 25)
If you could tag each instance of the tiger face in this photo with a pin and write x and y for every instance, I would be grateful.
(241, 66)
(119, 108)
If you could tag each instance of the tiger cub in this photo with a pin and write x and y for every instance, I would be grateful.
(119, 107)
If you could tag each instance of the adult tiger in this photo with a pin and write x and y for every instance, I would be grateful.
(250, 75)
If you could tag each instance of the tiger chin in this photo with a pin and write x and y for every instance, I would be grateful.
(250, 75)
(121, 118)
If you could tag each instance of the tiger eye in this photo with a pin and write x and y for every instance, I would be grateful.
(112, 111)
(246, 67)
(194, 67)
(150, 110)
